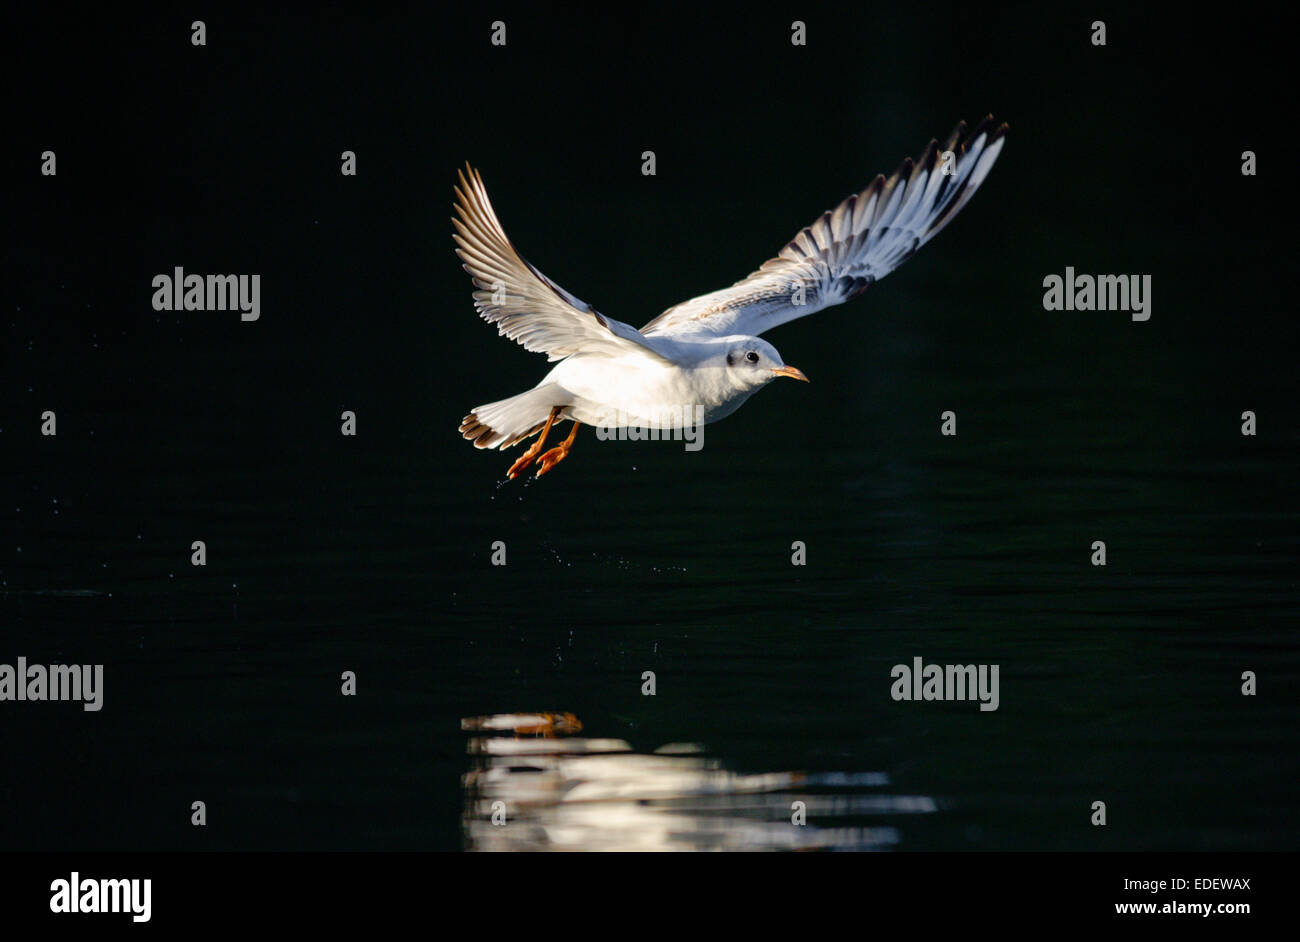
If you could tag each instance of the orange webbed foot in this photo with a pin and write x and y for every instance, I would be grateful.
(558, 453)
(552, 458)
(523, 461)
(527, 457)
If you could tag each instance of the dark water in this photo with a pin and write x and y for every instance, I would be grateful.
(372, 554)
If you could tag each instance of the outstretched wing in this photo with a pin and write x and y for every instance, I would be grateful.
(525, 305)
(859, 242)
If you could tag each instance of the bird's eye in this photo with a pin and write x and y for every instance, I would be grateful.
(751, 356)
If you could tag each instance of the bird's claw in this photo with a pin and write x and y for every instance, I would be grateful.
(522, 462)
(551, 458)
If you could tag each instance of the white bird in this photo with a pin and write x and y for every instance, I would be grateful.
(704, 352)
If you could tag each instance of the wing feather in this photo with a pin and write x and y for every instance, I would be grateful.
(848, 248)
(524, 304)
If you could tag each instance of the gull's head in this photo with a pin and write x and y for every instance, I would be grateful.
(752, 362)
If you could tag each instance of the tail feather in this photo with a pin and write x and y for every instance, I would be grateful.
(509, 421)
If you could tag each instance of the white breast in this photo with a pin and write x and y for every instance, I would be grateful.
(618, 392)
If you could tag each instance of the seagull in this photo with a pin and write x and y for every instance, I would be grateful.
(703, 357)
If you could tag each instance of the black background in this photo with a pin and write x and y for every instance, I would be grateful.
(370, 554)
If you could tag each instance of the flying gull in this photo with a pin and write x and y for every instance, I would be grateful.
(702, 357)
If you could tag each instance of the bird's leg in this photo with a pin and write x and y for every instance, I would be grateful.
(527, 457)
(559, 452)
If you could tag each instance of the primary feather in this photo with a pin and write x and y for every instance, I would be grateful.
(850, 247)
(525, 305)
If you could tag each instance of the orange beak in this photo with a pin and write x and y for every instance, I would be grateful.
(791, 371)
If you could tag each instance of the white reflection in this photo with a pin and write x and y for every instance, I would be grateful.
(535, 786)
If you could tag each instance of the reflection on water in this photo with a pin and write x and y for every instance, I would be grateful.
(536, 785)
